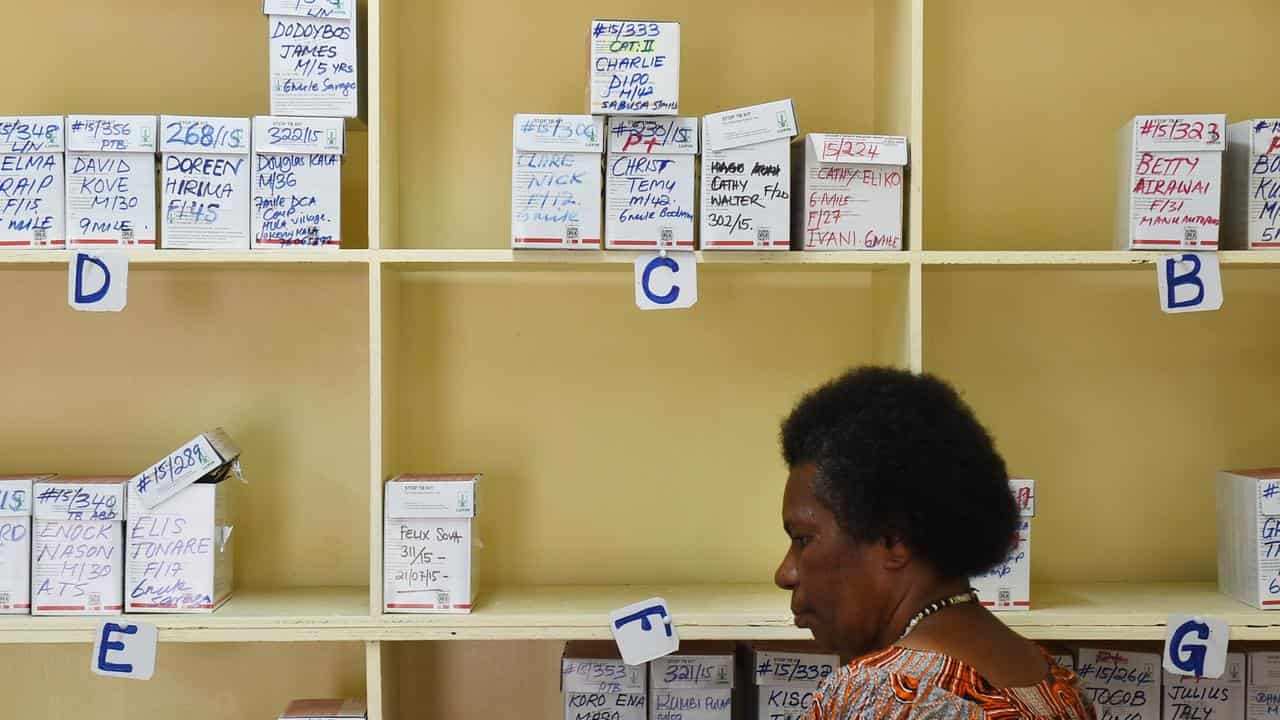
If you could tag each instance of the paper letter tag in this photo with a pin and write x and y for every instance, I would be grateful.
(1196, 646)
(124, 650)
(644, 631)
(98, 281)
(1191, 282)
(666, 282)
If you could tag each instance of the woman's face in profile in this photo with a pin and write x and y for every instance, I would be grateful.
(835, 581)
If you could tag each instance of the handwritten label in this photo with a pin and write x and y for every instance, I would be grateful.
(1269, 496)
(669, 704)
(297, 182)
(77, 566)
(15, 546)
(1264, 185)
(853, 192)
(590, 675)
(111, 180)
(428, 564)
(172, 552)
(1191, 282)
(124, 650)
(604, 706)
(1263, 698)
(190, 462)
(1181, 132)
(79, 501)
(341, 9)
(782, 668)
(556, 182)
(313, 63)
(692, 672)
(1024, 496)
(649, 184)
(746, 197)
(205, 179)
(1007, 586)
(1175, 181)
(785, 702)
(32, 176)
(1120, 685)
(635, 67)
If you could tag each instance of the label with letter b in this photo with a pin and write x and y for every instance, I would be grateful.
(124, 649)
(1196, 646)
(1189, 283)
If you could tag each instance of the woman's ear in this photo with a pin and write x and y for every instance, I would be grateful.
(894, 553)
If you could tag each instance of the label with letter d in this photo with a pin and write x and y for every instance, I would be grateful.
(124, 649)
(1196, 646)
(98, 281)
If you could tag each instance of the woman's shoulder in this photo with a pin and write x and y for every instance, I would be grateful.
(905, 683)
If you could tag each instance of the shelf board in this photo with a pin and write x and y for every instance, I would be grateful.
(198, 259)
(1099, 259)
(293, 614)
(422, 259)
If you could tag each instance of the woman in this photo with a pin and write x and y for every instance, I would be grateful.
(896, 497)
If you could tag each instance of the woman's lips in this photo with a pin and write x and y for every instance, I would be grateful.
(801, 618)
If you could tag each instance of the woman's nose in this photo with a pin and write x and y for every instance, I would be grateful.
(785, 576)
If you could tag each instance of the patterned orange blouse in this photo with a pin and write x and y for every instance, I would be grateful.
(905, 684)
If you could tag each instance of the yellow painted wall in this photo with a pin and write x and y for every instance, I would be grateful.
(280, 359)
(1122, 414)
(194, 682)
(1023, 101)
(468, 67)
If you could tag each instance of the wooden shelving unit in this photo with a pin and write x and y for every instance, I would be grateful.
(628, 454)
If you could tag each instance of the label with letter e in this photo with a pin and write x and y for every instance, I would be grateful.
(1196, 645)
(124, 649)
(1191, 282)
(98, 281)
(666, 282)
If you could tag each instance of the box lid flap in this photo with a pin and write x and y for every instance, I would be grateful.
(300, 135)
(692, 672)
(640, 135)
(111, 133)
(193, 134)
(200, 457)
(323, 709)
(16, 493)
(33, 134)
(1180, 133)
(559, 133)
(432, 496)
(80, 498)
(596, 667)
(749, 125)
(841, 149)
(1264, 668)
(337, 9)
(782, 667)
(1118, 667)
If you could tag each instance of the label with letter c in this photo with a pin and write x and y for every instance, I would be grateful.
(666, 282)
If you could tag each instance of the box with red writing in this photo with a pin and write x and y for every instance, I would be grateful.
(1170, 188)
(1007, 586)
(649, 183)
(848, 192)
(1251, 186)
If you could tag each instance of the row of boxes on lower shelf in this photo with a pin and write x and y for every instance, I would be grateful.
(702, 681)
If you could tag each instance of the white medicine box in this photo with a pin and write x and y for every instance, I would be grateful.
(429, 544)
(1263, 701)
(297, 182)
(746, 178)
(314, 57)
(695, 683)
(1007, 586)
(1248, 505)
(111, 180)
(204, 180)
(597, 684)
(780, 680)
(179, 553)
(556, 181)
(1121, 685)
(15, 542)
(635, 68)
(325, 709)
(849, 192)
(1251, 186)
(649, 183)
(1187, 697)
(1170, 187)
(32, 182)
(77, 548)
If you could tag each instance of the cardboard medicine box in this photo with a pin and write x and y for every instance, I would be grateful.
(649, 183)
(597, 684)
(429, 543)
(1170, 187)
(32, 182)
(1007, 586)
(1190, 698)
(314, 57)
(15, 542)
(77, 564)
(178, 555)
(1263, 697)
(297, 182)
(324, 709)
(1251, 186)
(635, 68)
(556, 181)
(695, 683)
(849, 192)
(746, 178)
(779, 679)
(111, 180)
(1121, 685)
(204, 179)
(1248, 506)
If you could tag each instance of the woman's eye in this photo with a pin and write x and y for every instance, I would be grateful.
(800, 541)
